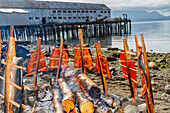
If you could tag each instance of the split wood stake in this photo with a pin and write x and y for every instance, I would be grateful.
(0, 51)
(127, 67)
(100, 50)
(60, 59)
(129, 56)
(148, 74)
(146, 94)
(81, 49)
(7, 76)
(16, 104)
(12, 83)
(13, 65)
(37, 61)
(101, 69)
(11, 31)
(34, 107)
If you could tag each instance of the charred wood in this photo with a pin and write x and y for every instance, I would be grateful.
(89, 86)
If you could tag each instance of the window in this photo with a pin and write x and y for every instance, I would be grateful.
(79, 17)
(69, 17)
(49, 17)
(64, 11)
(59, 17)
(104, 11)
(69, 11)
(94, 11)
(54, 11)
(108, 11)
(54, 17)
(37, 18)
(30, 18)
(101, 11)
(59, 11)
(91, 11)
(87, 11)
(82, 11)
(65, 17)
(74, 17)
(74, 11)
(78, 11)
(83, 17)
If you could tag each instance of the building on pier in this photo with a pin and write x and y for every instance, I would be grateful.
(30, 12)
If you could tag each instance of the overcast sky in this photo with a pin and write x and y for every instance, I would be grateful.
(162, 6)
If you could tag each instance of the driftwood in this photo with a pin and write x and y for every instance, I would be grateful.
(68, 96)
(90, 86)
(85, 105)
(57, 107)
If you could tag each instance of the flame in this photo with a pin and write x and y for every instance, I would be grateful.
(80, 83)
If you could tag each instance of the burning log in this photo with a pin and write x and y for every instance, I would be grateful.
(85, 105)
(68, 96)
(57, 107)
(89, 86)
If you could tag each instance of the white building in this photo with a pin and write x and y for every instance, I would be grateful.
(31, 12)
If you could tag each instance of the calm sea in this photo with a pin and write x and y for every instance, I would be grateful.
(156, 36)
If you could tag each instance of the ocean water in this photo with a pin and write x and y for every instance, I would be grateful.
(156, 36)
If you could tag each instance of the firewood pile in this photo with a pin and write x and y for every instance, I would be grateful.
(81, 95)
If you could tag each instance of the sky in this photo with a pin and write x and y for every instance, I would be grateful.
(161, 6)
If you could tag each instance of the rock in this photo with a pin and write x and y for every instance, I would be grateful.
(161, 60)
(130, 109)
(142, 108)
(117, 55)
(152, 65)
(167, 89)
(111, 59)
(40, 110)
(164, 95)
(113, 49)
(31, 100)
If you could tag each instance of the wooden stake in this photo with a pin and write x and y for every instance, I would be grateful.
(16, 104)
(81, 48)
(37, 61)
(7, 76)
(34, 107)
(13, 47)
(129, 56)
(11, 31)
(140, 71)
(127, 67)
(101, 70)
(100, 50)
(60, 59)
(0, 51)
(148, 74)
(13, 65)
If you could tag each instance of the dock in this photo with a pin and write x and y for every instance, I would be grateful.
(55, 31)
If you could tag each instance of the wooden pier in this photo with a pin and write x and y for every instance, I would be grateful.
(53, 32)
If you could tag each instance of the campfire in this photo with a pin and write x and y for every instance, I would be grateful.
(72, 92)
